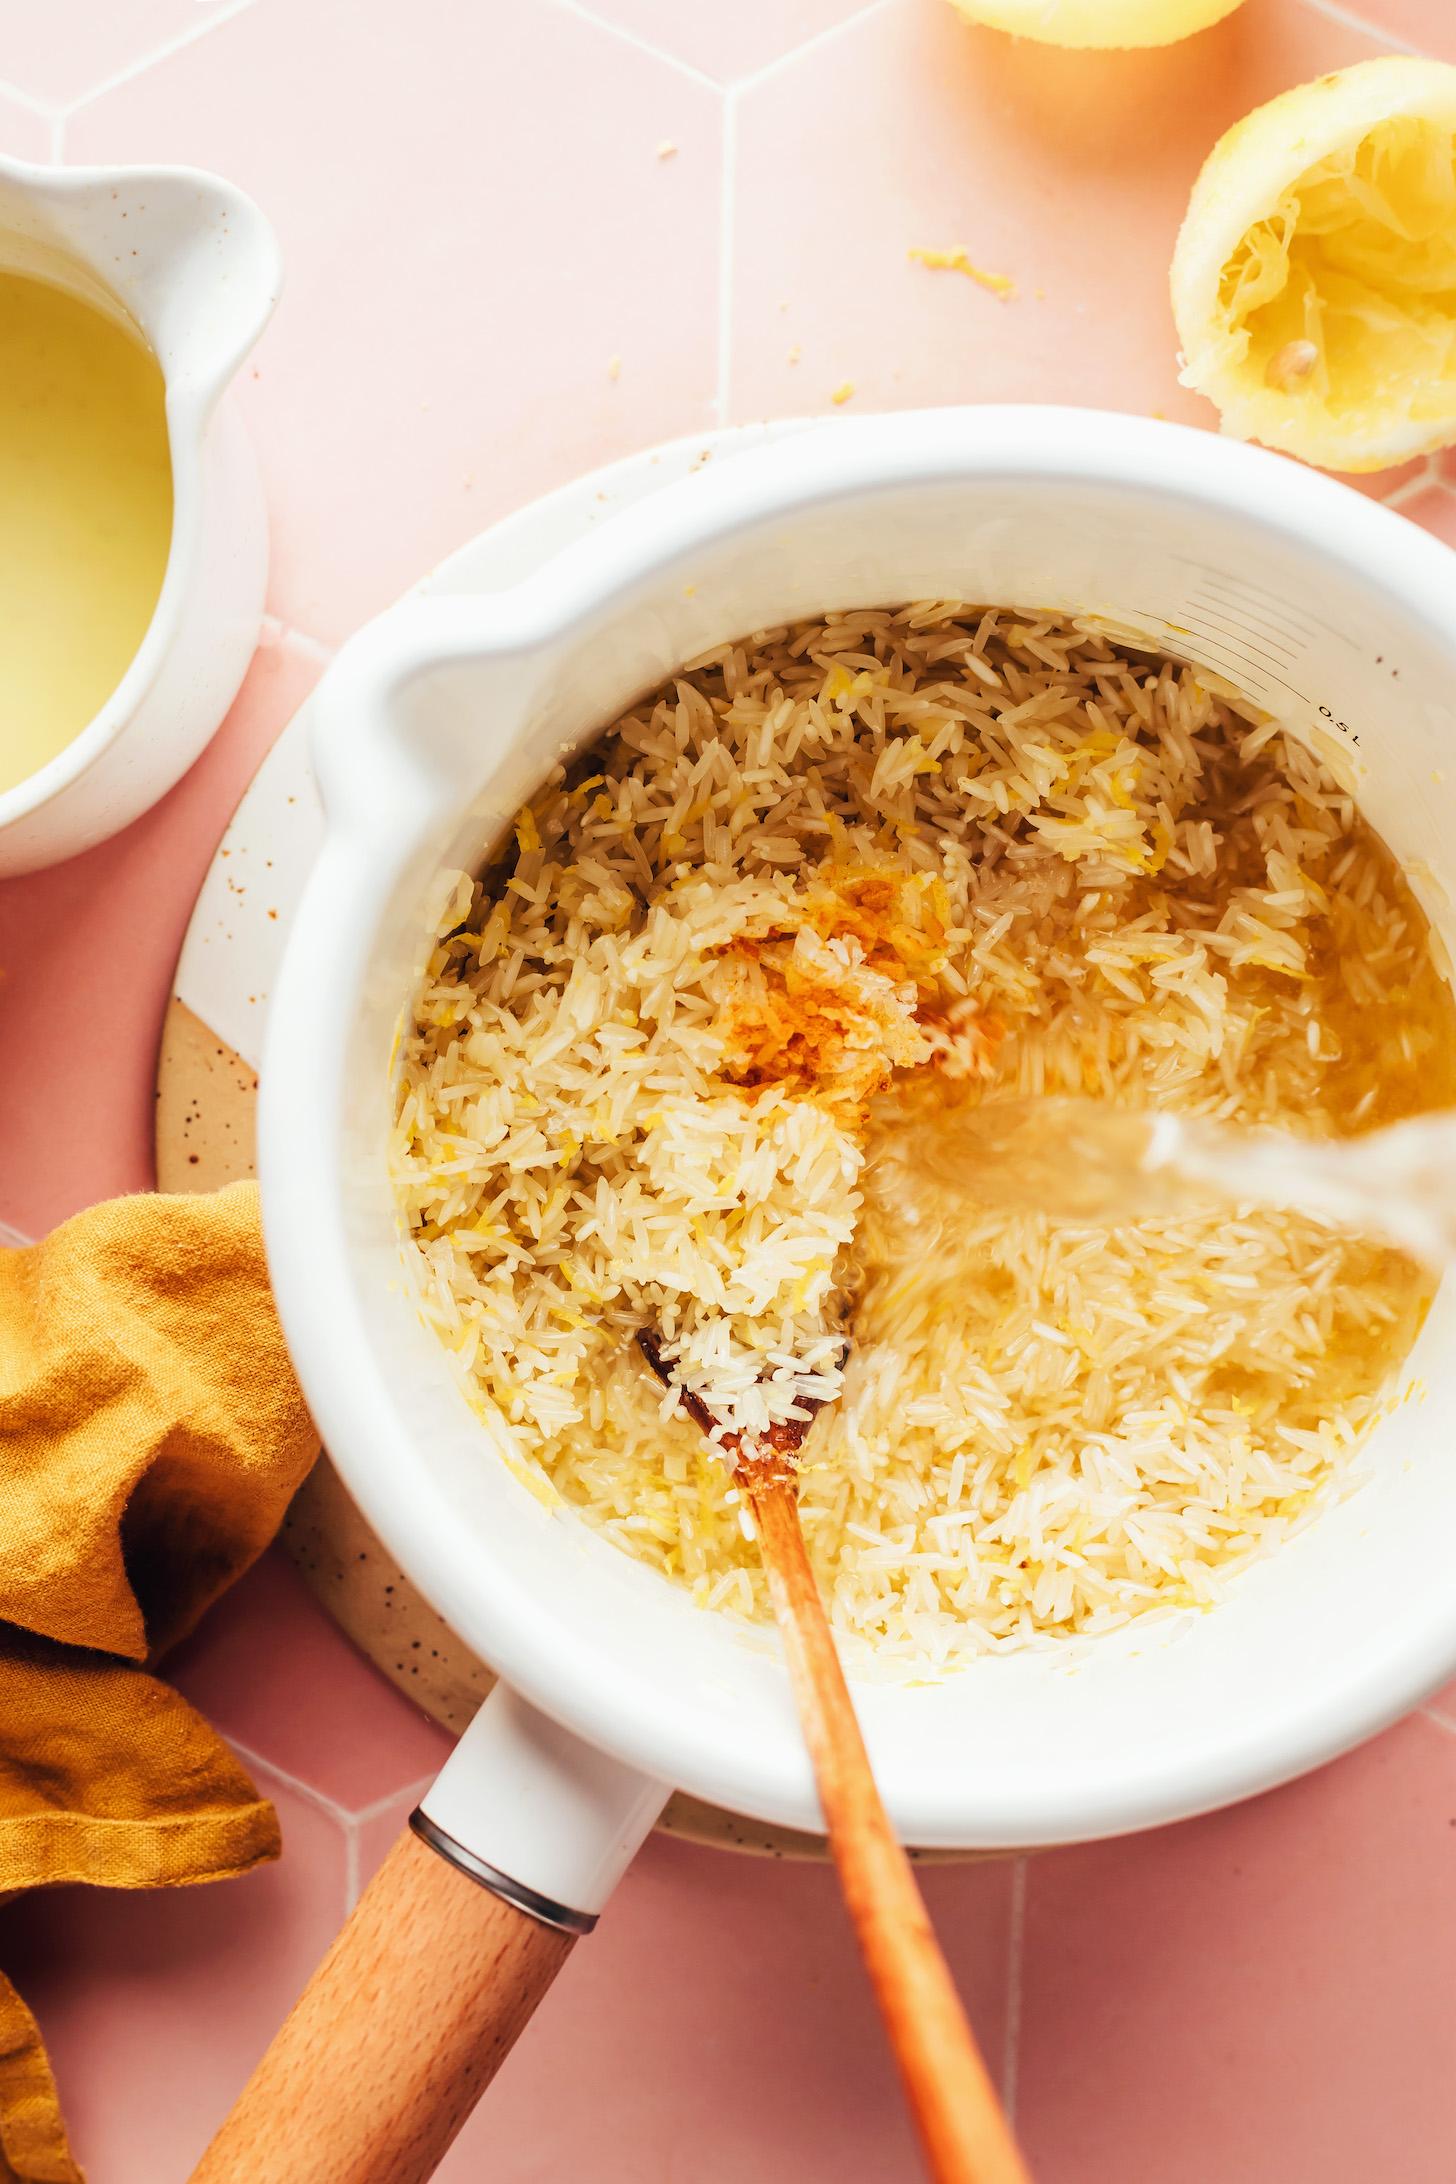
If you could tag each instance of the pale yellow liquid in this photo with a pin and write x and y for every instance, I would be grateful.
(85, 513)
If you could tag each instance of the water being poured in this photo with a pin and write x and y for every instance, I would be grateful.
(1087, 1160)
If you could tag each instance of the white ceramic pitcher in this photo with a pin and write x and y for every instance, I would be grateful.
(194, 263)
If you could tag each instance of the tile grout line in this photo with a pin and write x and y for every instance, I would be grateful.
(351, 1866)
(28, 102)
(414, 1791)
(1015, 1952)
(1347, 20)
(222, 11)
(255, 1761)
(810, 45)
(638, 44)
(1412, 488)
(725, 257)
(274, 632)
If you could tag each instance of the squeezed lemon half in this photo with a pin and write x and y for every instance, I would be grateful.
(1314, 278)
(1098, 22)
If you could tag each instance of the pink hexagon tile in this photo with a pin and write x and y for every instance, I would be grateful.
(1066, 174)
(1425, 26)
(1383, 484)
(729, 43)
(62, 52)
(155, 2005)
(24, 134)
(1263, 1995)
(270, 1670)
(114, 918)
(1434, 509)
(716, 2027)
(479, 302)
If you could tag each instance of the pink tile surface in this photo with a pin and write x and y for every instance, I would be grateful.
(728, 43)
(663, 2015)
(1434, 509)
(1426, 26)
(80, 1127)
(280, 1681)
(1263, 1996)
(476, 224)
(67, 49)
(1069, 172)
(24, 134)
(155, 2007)
(1382, 484)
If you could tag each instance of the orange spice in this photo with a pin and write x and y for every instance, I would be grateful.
(834, 1025)
(797, 1031)
(899, 920)
(830, 1000)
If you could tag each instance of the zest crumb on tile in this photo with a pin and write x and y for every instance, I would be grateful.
(958, 260)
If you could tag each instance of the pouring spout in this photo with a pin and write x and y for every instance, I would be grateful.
(188, 255)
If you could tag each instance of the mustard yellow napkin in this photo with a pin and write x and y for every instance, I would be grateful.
(151, 1433)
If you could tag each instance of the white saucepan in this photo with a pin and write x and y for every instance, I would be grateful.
(1327, 611)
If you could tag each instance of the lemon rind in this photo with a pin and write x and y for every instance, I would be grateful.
(1246, 173)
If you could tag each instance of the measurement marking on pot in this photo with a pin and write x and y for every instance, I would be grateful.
(1284, 655)
(1243, 667)
(1285, 623)
(1342, 725)
(1236, 637)
(1285, 620)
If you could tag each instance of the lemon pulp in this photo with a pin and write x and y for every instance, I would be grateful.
(1349, 286)
(85, 512)
(1314, 278)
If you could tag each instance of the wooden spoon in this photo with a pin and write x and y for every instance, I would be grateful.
(964, 2133)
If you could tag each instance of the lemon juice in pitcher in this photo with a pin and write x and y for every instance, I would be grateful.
(85, 511)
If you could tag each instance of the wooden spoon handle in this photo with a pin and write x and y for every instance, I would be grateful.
(964, 2132)
(396, 2036)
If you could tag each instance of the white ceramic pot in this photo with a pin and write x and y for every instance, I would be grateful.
(433, 726)
(195, 264)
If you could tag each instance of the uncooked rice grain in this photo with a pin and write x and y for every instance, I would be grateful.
(992, 850)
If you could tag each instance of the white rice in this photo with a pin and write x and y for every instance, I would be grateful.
(998, 846)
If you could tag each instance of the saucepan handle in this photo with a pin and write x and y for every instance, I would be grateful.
(444, 1959)
(395, 2037)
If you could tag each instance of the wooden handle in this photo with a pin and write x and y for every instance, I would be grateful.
(395, 2037)
(957, 2112)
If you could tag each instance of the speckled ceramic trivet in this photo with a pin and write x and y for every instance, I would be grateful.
(208, 1080)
